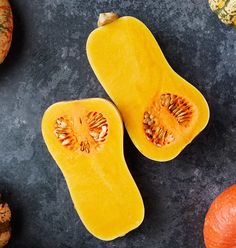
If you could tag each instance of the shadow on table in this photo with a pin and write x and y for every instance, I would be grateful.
(143, 171)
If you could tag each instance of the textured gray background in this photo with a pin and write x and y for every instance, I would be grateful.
(47, 63)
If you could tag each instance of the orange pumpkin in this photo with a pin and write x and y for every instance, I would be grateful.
(220, 222)
(6, 28)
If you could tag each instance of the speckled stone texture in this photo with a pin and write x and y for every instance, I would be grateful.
(47, 63)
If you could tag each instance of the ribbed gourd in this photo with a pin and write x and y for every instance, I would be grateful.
(225, 10)
(6, 28)
(5, 222)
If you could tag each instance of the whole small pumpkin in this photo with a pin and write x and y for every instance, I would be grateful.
(5, 218)
(6, 28)
(225, 9)
(220, 222)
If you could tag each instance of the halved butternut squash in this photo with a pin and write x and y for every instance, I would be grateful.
(85, 138)
(161, 111)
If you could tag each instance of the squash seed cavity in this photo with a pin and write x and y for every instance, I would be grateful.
(91, 132)
(155, 127)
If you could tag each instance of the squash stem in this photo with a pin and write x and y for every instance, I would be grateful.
(106, 18)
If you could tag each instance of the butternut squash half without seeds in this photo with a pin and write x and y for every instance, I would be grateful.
(161, 111)
(85, 138)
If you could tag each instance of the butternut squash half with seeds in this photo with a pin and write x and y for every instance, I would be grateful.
(85, 138)
(161, 111)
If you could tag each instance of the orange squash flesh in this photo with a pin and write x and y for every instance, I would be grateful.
(101, 187)
(133, 70)
(220, 221)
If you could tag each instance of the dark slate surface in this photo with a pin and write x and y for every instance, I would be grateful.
(47, 63)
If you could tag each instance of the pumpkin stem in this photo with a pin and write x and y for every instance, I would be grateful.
(106, 18)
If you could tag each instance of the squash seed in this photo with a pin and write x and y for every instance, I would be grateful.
(65, 142)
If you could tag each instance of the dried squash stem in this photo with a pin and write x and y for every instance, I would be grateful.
(106, 18)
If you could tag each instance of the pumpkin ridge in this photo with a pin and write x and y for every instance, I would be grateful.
(5, 8)
(4, 227)
(3, 28)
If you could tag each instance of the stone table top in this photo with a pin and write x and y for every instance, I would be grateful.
(47, 63)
